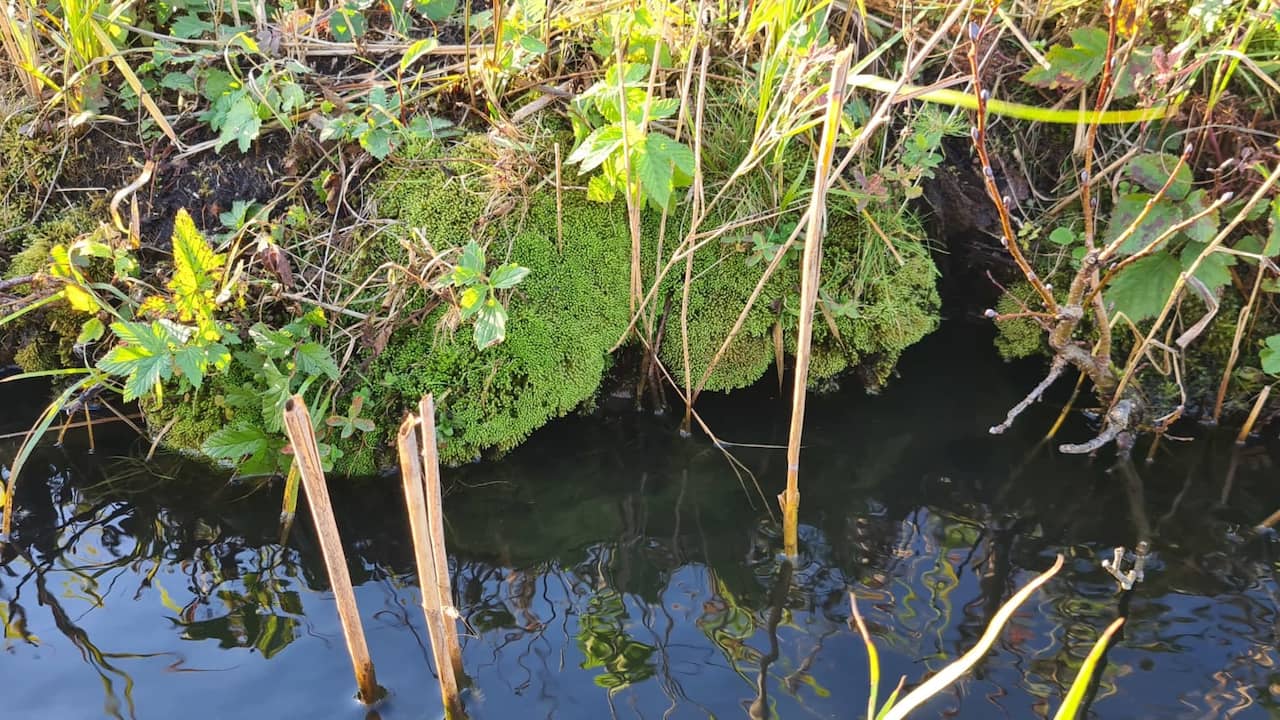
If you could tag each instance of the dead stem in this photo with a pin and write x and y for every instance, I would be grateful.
(1055, 371)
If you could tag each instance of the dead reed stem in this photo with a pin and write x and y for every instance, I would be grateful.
(297, 425)
(419, 471)
(811, 270)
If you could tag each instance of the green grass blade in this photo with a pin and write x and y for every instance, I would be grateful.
(1014, 110)
(1071, 704)
(892, 699)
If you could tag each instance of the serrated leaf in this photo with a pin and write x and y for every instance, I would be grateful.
(312, 358)
(1152, 170)
(274, 344)
(678, 153)
(508, 276)
(596, 148)
(234, 442)
(1071, 67)
(491, 325)
(663, 108)
(196, 270)
(191, 363)
(1163, 215)
(275, 395)
(377, 141)
(178, 81)
(1204, 229)
(143, 359)
(600, 190)
(91, 331)
(1213, 270)
(241, 123)
(653, 172)
(1141, 290)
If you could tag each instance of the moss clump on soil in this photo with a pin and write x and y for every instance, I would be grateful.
(1021, 337)
(573, 307)
(878, 307)
(564, 317)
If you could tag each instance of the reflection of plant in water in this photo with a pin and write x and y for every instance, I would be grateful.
(603, 639)
(261, 613)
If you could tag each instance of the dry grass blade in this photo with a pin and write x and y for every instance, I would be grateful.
(955, 670)
(811, 270)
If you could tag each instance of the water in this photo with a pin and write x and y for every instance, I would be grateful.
(612, 569)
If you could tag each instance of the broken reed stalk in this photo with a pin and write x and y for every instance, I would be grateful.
(1253, 415)
(297, 425)
(811, 270)
(419, 471)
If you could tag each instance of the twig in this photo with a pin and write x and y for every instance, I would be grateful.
(1055, 371)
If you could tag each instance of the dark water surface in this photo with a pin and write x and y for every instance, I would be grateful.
(611, 569)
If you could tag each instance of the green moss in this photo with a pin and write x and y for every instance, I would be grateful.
(1022, 337)
(573, 307)
(564, 317)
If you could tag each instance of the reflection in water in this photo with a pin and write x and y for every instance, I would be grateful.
(611, 569)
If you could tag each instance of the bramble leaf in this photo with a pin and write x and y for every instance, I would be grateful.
(1141, 290)
(1071, 67)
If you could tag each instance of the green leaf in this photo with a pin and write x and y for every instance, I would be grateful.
(533, 44)
(275, 344)
(1204, 229)
(417, 51)
(678, 153)
(1141, 290)
(312, 358)
(143, 360)
(508, 276)
(1163, 215)
(241, 124)
(190, 361)
(596, 148)
(377, 141)
(1152, 171)
(1270, 355)
(600, 190)
(196, 271)
(653, 172)
(91, 331)
(189, 26)
(435, 10)
(471, 264)
(235, 442)
(1071, 67)
(491, 324)
(1062, 236)
(178, 81)
(663, 108)
(274, 397)
(1213, 270)
(347, 23)
(471, 302)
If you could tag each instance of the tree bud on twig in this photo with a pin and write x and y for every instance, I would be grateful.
(985, 95)
(1084, 176)
(1187, 150)
(989, 314)
(1008, 201)
(973, 133)
(974, 30)
(987, 171)
(1226, 196)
